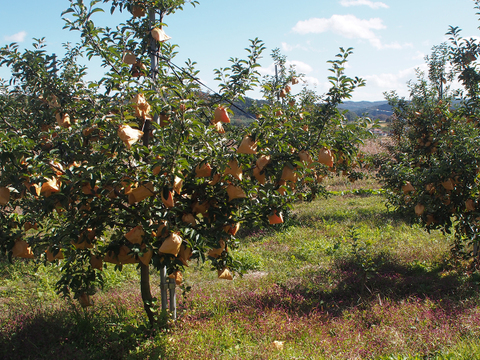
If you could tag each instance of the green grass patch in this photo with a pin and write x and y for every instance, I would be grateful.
(344, 278)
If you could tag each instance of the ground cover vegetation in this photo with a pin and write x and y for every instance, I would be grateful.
(344, 278)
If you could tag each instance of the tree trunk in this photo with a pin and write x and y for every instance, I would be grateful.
(146, 293)
(145, 269)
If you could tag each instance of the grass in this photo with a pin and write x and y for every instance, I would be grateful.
(343, 279)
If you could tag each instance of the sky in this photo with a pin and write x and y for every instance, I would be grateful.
(390, 38)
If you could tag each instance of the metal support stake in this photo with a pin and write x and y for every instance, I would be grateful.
(173, 298)
(163, 287)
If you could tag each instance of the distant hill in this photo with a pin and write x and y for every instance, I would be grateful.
(244, 106)
(361, 105)
(374, 109)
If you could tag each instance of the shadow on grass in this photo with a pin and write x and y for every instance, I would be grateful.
(395, 281)
(64, 335)
(347, 286)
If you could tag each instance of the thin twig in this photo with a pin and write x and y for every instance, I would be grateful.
(10, 126)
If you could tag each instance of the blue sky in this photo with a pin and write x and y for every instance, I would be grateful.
(390, 37)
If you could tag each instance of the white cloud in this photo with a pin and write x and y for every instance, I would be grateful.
(311, 81)
(300, 66)
(269, 70)
(348, 26)
(377, 84)
(389, 81)
(397, 46)
(307, 47)
(288, 47)
(418, 56)
(18, 37)
(373, 5)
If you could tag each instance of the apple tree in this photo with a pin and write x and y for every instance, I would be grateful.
(432, 172)
(143, 166)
